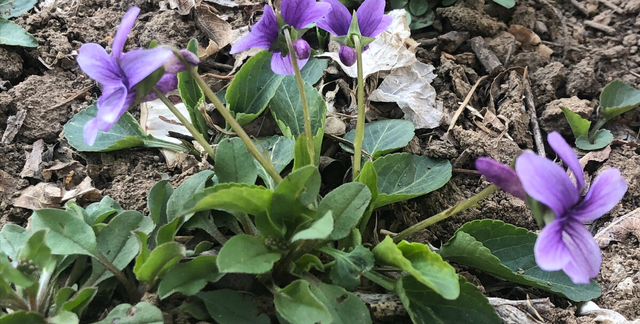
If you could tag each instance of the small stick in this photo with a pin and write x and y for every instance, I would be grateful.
(531, 108)
(464, 103)
(511, 49)
(602, 27)
(580, 7)
(485, 55)
(216, 76)
(612, 6)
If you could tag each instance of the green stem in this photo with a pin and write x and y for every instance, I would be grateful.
(303, 97)
(596, 128)
(471, 202)
(119, 275)
(185, 122)
(359, 138)
(253, 149)
(382, 281)
(247, 224)
(158, 143)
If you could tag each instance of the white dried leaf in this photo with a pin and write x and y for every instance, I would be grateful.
(410, 87)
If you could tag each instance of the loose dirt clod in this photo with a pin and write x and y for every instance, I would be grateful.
(553, 119)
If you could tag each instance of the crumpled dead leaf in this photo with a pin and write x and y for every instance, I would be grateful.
(156, 119)
(42, 195)
(84, 191)
(31, 167)
(619, 229)
(14, 123)
(393, 49)
(217, 29)
(604, 316)
(236, 34)
(61, 169)
(527, 37)
(410, 87)
(182, 6)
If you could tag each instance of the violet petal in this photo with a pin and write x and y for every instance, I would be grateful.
(546, 182)
(586, 257)
(262, 34)
(90, 132)
(502, 176)
(550, 251)
(124, 29)
(110, 105)
(283, 66)
(605, 193)
(385, 22)
(173, 65)
(370, 14)
(300, 13)
(138, 64)
(167, 83)
(337, 21)
(568, 156)
(97, 64)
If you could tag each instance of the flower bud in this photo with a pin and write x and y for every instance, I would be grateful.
(167, 83)
(347, 55)
(302, 49)
(173, 65)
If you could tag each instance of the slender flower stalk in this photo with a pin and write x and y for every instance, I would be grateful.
(303, 97)
(359, 137)
(185, 122)
(564, 243)
(226, 114)
(462, 206)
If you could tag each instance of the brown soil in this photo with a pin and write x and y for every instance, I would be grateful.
(47, 84)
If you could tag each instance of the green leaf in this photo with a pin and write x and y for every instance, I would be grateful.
(230, 307)
(12, 239)
(448, 2)
(579, 125)
(246, 254)
(232, 197)
(423, 21)
(318, 230)
(301, 157)
(306, 262)
(15, 8)
(426, 306)
(163, 258)
(80, 301)
(403, 176)
(126, 133)
(602, 138)
(617, 98)
(383, 136)
(369, 177)
(252, 88)
(118, 243)
(36, 250)
(293, 196)
(9, 273)
(22, 317)
(97, 212)
(157, 201)
(506, 251)
(141, 313)
(144, 87)
(345, 307)
(398, 4)
(234, 163)
(195, 184)
(297, 304)
(314, 69)
(191, 94)
(13, 34)
(418, 7)
(189, 278)
(347, 204)
(506, 3)
(419, 261)
(65, 318)
(286, 107)
(168, 231)
(349, 267)
(280, 150)
(67, 234)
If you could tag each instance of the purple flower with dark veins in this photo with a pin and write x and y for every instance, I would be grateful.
(371, 20)
(297, 14)
(119, 73)
(564, 243)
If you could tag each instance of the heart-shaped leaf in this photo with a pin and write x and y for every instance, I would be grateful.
(246, 254)
(382, 136)
(617, 98)
(602, 138)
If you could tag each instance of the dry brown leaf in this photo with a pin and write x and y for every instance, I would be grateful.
(619, 229)
(84, 191)
(14, 123)
(527, 37)
(42, 195)
(183, 6)
(216, 28)
(31, 167)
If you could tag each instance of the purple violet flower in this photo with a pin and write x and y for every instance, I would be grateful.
(264, 34)
(371, 20)
(119, 74)
(564, 243)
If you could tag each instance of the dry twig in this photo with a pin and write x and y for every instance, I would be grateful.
(464, 103)
(602, 27)
(531, 108)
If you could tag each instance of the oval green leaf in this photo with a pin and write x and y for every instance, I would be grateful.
(246, 254)
(383, 136)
